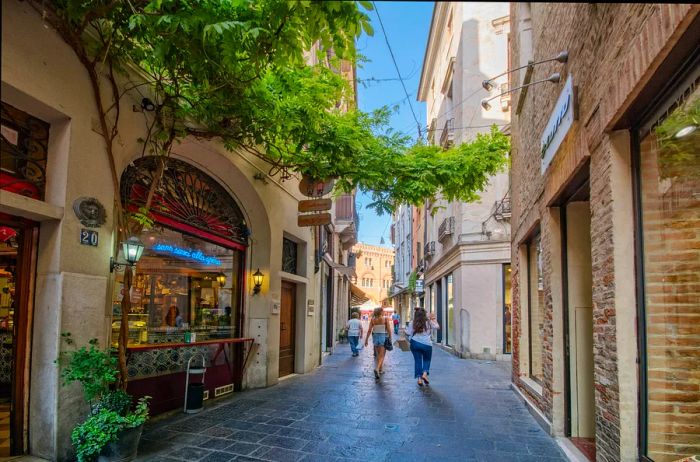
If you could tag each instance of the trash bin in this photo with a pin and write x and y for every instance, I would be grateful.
(195, 398)
(194, 391)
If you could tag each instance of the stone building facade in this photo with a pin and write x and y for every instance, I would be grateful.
(605, 226)
(373, 269)
(466, 245)
(403, 240)
(57, 269)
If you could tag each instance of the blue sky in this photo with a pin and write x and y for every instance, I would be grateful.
(407, 25)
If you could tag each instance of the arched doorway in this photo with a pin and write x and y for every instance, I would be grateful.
(188, 289)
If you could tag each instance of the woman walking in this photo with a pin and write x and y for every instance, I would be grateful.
(421, 344)
(381, 330)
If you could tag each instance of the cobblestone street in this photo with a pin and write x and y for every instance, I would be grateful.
(339, 412)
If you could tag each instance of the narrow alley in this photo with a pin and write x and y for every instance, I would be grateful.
(339, 412)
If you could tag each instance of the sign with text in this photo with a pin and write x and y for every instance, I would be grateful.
(315, 188)
(316, 219)
(89, 237)
(561, 120)
(315, 205)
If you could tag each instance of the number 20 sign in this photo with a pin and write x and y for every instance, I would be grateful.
(88, 237)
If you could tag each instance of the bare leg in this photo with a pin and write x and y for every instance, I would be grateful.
(376, 362)
(382, 354)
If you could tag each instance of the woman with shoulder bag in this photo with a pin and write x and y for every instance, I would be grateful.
(421, 343)
(381, 332)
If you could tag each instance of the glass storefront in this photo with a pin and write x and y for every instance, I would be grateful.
(185, 289)
(669, 194)
(449, 286)
(507, 304)
(535, 306)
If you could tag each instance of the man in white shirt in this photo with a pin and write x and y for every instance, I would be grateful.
(354, 326)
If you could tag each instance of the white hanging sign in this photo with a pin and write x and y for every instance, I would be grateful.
(561, 120)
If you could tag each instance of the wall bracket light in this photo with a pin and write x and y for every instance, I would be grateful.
(489, 84)
(132, 249)
(257, 281)
(556, 77)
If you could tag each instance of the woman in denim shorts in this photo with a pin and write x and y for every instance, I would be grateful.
(380, 330)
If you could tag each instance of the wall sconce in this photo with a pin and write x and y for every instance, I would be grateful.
(147, 105)
(257, 281)
(221, 279)
(489, 84)
(556, 77)
(133, 249)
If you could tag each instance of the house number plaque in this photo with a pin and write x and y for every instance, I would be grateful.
(89, 237)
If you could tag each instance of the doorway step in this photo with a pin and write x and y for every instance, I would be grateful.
(586, 446)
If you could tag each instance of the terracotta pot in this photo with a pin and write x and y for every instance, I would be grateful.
(124, 449)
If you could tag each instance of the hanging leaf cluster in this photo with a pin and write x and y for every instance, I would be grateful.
(271, 77)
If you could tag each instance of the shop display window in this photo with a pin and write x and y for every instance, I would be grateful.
(535, 307)
(669, 192)
(185, 289)
(450, 339)
(507, 312)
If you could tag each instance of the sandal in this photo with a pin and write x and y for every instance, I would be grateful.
(376, 374)
(420, 382)
(425, 379)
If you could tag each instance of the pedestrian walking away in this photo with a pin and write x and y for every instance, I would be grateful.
(380, 330)
(397, 320)
(354, 326)
(421, 344)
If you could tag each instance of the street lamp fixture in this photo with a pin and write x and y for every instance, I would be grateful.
(489, 84)
(132, 249)
(556, 77)
(257, 281)
(221, 279)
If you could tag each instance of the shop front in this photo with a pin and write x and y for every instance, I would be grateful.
(605, 285)
(188, 287)
(22, 172)
(666, 155)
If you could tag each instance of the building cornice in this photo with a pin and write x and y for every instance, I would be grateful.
(437, 24)
(468, 254)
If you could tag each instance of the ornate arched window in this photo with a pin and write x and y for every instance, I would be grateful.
(186, 199)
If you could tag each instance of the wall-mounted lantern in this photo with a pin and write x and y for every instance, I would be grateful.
(132, 249)
(257, 281)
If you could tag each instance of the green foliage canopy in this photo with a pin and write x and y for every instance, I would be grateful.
(240, 71)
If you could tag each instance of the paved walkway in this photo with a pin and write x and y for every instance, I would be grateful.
(340, 413)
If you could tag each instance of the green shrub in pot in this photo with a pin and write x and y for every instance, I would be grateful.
(111, 411)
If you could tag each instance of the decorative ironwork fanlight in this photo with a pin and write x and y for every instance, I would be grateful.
(25, 141)
(185, 195)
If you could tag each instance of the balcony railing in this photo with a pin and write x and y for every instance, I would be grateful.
(447, 137)
(502, 211)
(447, 228)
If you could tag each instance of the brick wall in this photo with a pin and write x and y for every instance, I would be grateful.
(613, 51)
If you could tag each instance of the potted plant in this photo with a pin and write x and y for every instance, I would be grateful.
(113, 427)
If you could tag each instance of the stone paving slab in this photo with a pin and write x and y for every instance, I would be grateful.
(340, 412)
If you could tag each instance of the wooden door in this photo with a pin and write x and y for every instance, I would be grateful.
(287, 322)
(21, 262)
